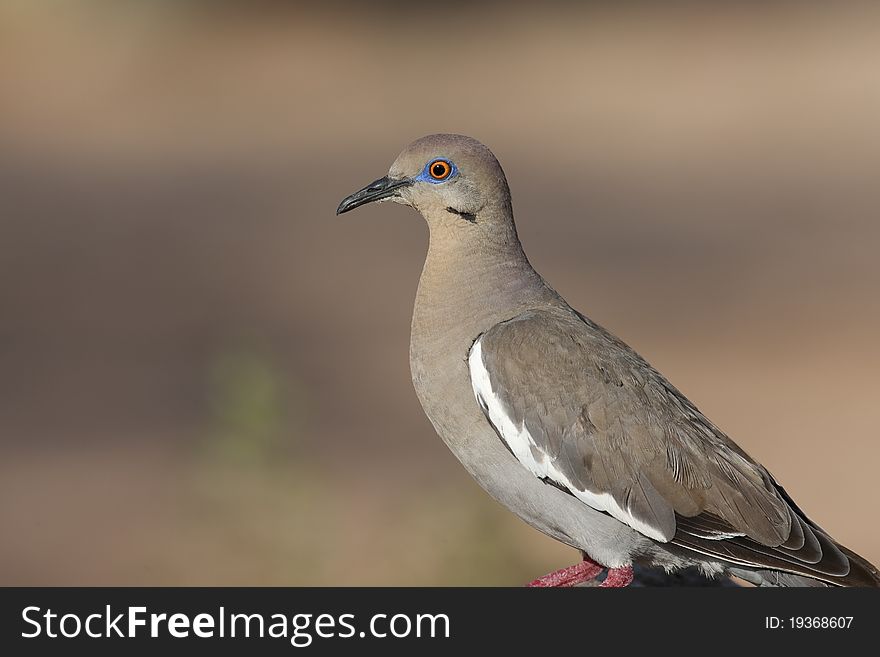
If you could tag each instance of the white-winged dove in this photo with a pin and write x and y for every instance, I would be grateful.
(562, 422)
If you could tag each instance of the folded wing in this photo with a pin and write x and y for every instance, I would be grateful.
(583, 411)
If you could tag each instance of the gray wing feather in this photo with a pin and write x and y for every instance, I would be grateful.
(612, 424)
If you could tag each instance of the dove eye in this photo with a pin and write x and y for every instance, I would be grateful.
(439, 169)
(436, 171)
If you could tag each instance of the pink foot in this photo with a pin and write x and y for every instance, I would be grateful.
(618, 578)
(580, 572)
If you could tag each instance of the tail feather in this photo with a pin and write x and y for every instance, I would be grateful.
(861, 574)
(819, 559)
(861, 571)
(775, 578)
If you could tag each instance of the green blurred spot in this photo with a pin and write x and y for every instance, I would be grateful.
(251, 409)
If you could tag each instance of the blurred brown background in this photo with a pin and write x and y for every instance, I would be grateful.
(203, 372)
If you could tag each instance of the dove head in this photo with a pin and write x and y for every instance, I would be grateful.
(452, 180)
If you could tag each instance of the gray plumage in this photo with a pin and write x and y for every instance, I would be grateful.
(562, 422)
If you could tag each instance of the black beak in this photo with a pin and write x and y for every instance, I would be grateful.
(376, 191)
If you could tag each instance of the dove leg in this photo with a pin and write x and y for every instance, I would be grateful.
(618, 578)
(580, 572)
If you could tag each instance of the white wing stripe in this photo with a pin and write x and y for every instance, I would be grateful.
(523, 446)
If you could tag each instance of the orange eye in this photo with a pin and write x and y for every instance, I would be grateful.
(439, 169)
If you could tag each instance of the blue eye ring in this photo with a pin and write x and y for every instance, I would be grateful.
(437, 171)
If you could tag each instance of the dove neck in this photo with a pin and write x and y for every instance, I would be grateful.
(476, 274)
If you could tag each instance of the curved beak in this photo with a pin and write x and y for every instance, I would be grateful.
(378, 190)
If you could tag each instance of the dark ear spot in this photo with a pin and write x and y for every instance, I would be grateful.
(467, 216)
